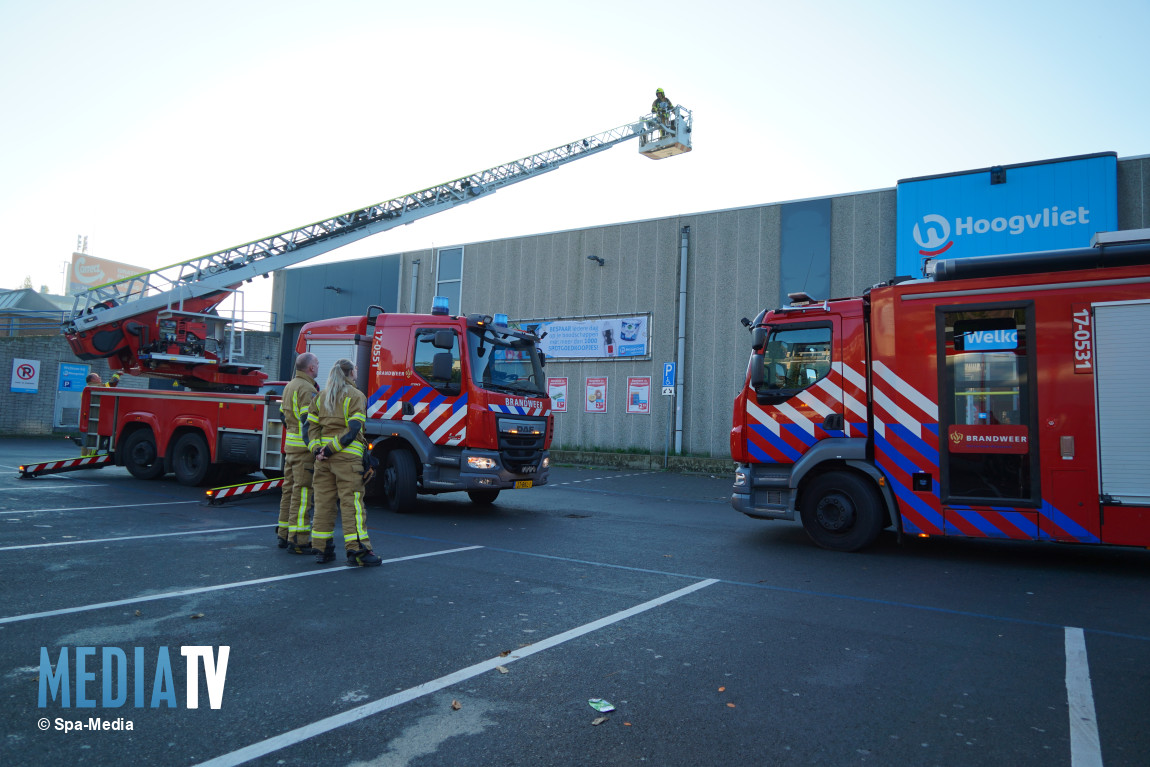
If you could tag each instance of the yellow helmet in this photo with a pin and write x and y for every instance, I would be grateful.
(659, 91)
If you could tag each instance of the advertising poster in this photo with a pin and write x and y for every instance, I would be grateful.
(608, 338)
(89, 271)
(596, 401)
(639, 394)
(557, 391)
(25, 376)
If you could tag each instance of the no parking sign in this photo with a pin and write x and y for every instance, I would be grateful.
(25, 376)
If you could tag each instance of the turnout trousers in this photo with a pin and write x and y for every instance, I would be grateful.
(340, 479)
(296, 498)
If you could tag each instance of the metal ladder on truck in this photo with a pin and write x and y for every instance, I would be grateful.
(115, 319)
(168, 289)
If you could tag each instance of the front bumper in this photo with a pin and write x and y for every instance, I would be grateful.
(763, 491)
(483, 470)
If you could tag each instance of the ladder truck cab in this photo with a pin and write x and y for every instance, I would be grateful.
(999, 397)
(453, 403)
(167, 324)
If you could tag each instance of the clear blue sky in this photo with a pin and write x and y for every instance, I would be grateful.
(164, 131)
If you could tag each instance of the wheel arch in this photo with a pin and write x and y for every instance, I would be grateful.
(862, 469)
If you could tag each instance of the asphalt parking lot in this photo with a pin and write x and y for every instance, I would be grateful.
(717, 639)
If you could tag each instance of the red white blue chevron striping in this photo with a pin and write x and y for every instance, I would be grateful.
(442, 418)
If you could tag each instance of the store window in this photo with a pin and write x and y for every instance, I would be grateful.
(989, 447)
(449, 278)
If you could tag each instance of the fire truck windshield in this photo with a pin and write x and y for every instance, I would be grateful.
(504, 362)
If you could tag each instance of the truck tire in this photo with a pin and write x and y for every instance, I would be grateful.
(140, 456)
(399, 481)
(191, 459)
(483, 497)
(842, 511)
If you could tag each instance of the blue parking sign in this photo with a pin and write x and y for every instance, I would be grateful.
(668, 373)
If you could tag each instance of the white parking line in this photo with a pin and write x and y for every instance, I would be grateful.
(300, 734)
(54, 487)
(132, 537)
(220, 587)
(1085, 749)
(87, 508)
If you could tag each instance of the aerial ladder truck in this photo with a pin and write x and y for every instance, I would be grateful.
(167, 324)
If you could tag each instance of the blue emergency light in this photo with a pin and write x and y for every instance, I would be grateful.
(501, 319)
(439, 305)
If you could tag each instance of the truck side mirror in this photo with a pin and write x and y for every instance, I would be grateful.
(758, 338)
(756, 373)
(441, 366)
(444, 339)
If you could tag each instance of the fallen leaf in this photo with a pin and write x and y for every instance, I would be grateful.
(599, 720)
(501, 669)
(504, 654)
(730, 705)
(197, 615)
(138, 613)
(626, 724)
(722, 689)
(456, 705)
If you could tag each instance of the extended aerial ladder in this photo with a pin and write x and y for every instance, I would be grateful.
(164, 323)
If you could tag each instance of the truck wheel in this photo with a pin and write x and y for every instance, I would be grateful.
(399, 481)
(842, 512)
(140, 456)
(483, 497)
(191, 459)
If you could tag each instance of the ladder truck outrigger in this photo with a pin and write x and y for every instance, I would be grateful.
(999, 397)
(167, 324)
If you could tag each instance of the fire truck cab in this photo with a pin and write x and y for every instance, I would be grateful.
(1000, 397)
(453, 403)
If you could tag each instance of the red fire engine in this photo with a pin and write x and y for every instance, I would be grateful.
(453, 403)
(1000, 397)
(166, 324)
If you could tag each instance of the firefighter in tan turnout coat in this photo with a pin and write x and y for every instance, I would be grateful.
(335, 435)
(294, 530)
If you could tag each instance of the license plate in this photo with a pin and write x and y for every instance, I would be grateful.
(522, 484)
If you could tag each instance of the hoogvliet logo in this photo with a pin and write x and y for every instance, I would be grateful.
(933, 233)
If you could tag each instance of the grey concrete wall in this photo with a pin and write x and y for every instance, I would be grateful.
(31, 414)
(1134, 193)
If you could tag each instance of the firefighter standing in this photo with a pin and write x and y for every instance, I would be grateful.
(335, 435)
(294, 531)
(662, 107)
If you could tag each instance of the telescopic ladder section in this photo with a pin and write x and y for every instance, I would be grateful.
(167, 289)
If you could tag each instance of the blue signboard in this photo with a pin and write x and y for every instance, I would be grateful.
(668, 373)
(72, 377)
(1008, 209)
(990, 340)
